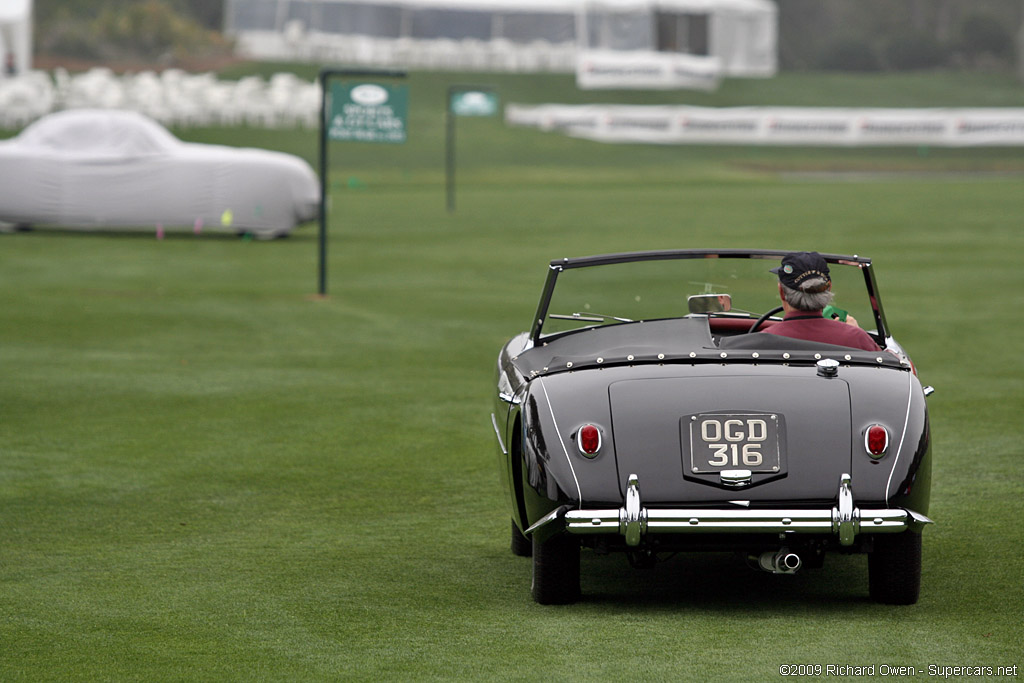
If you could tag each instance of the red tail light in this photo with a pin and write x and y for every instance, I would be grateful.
(589, 440)
(876, 440)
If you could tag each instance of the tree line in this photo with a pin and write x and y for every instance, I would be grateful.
(167, 30)
(875, 35)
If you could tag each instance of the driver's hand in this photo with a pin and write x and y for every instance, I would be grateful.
(850, 320)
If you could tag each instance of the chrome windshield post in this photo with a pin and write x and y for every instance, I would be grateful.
(545, 300)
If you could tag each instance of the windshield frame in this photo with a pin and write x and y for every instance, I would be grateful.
(558, 266)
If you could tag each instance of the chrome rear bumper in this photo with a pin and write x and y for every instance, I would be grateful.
(633, 521)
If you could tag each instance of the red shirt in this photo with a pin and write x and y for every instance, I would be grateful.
(813, 327)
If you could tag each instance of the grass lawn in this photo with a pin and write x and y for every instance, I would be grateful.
(207, 474)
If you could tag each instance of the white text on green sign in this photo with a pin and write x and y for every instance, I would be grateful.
(368, 112)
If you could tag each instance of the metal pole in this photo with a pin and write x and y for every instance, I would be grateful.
(325, 76)
(450, 136)
(449, 164)
(322, 267)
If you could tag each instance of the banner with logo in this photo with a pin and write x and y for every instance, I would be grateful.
(777, 125)
(368, 112)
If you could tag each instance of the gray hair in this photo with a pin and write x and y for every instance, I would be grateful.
(812, 295)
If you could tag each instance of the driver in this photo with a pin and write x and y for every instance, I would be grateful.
(805, 288)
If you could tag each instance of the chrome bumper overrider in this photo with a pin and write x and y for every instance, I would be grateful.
(633, 521)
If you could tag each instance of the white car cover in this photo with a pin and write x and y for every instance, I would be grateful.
(108, 168)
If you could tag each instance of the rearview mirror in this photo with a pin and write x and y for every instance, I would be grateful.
(703, 304)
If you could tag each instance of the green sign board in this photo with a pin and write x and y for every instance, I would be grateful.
(474, 103)
(368, 112)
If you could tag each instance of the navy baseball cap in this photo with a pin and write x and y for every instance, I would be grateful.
(801, 266)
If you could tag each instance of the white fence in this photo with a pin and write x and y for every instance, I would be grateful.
(777, 125)
(440, 54)
(173, 97)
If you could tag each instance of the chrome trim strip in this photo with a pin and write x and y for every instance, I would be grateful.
(561, 440)
(685, 521)
(544, 521)
(633, 520)
(919, 519)
(497, 433)
(906, 422)
(508, 398)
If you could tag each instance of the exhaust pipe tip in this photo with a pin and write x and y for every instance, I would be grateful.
(782, 561)
(790, 562)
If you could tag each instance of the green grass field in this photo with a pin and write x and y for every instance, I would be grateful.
(207, 474)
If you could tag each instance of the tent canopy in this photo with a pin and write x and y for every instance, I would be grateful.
(513, 35)
(273, 14)
(12, 11)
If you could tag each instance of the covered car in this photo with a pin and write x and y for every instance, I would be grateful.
(107, 168)
(648, 411)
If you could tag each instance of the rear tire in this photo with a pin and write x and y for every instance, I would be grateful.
(521, 545)
(894, 568)
(556, 570)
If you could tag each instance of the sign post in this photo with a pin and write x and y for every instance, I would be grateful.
(463, 100)
(356, 109)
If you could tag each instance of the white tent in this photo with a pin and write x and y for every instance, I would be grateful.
(738, 36)
(673, 43)
(15, 37)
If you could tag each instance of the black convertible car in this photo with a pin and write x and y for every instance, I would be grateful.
(648, 411)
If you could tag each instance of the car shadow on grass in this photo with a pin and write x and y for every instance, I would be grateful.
(723, 582)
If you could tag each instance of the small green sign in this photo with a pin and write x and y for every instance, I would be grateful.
(368, 112)
(474, 103)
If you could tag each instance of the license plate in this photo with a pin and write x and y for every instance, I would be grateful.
(734, 441)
